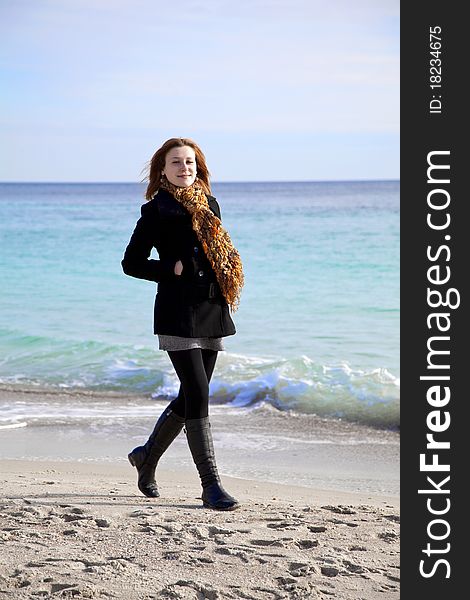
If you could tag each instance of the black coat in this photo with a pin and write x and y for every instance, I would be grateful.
(190, 304)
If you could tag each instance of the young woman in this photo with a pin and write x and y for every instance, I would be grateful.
(200, 276)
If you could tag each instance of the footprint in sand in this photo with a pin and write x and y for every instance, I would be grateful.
(233, 552)
(340, 509)
(141, 513)
(290, 525)
(329, 571)
(341, 522)
(306, 544)
(353, 567)
(182, 589)
(76, 514)
(267, 543)
(213, 530)
(200, 533)
(203, 559)
(104, 523)
(316, 528)
(388, 536)
(300, 569)
(394, 518)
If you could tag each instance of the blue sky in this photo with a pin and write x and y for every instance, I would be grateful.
(271, 90)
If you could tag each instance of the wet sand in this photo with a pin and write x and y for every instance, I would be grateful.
(263, 444)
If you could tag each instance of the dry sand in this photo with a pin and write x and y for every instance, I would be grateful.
(82, 530)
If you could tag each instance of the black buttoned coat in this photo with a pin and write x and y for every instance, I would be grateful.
(191, 304)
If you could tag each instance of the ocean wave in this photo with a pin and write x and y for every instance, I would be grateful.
(297, 384)
(303, 386)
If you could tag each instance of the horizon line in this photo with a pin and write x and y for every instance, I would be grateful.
(396, 179)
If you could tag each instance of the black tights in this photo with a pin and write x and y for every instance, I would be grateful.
(194, 369)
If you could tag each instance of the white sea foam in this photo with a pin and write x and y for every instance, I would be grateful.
(13, 425)
(242, 382)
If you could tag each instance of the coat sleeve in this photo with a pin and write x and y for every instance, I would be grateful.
(136, 261)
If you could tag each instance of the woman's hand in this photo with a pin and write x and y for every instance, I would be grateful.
(178, 268)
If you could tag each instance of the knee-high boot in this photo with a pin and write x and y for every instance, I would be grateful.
(200, 442)
(145, 458)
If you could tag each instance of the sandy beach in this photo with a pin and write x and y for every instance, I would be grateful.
(74, 525)
(74, 530)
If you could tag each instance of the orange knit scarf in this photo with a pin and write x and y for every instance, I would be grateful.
(215, 240)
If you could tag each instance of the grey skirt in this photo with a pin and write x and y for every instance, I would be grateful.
(175, 342)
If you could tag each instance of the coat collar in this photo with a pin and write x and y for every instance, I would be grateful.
(163, 198)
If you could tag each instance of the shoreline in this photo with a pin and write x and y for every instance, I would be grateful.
(258, 444)
(297, 383)
(83, 530)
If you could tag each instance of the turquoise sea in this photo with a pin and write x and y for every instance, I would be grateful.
(318, 325)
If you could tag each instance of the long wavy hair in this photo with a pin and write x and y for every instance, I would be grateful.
(156, 165)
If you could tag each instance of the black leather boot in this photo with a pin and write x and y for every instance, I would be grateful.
(146, 457)
(200, 442)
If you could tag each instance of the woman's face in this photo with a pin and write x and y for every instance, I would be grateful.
(180, 166)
